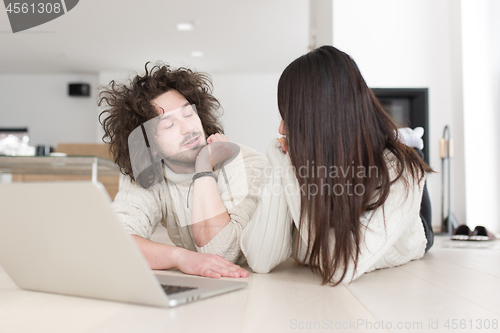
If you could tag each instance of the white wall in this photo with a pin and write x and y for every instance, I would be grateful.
(41, 103)
(411, 44)
(250, 107)
(481, 89)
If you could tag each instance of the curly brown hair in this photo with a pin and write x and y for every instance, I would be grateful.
(129, 106)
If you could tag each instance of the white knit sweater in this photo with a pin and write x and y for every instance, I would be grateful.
(270, 236)
(141, 210)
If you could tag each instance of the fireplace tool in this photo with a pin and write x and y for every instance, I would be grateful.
(446, 153)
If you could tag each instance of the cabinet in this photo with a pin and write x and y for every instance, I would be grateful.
(52, 168)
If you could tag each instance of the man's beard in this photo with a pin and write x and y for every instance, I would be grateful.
(186, 158)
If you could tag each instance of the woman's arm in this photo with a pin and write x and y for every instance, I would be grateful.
(267, 240)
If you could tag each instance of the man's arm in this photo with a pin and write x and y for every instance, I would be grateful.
(209, 215)
(140, 212)
(162, 256)
(242, 184)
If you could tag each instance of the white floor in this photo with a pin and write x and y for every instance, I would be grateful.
(453, 288)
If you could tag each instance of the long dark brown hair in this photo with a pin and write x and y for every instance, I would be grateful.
(332, 118)
(129, 105)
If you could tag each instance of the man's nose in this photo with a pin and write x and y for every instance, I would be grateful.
(185, 126)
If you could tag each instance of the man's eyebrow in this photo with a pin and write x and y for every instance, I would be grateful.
(169, 113)
(165, 116)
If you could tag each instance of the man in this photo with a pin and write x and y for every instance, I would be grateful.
(165, 135)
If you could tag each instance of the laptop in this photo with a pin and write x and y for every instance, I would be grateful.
(64, 238)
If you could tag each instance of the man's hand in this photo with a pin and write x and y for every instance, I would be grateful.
(217, 138)
(163, 256)
(218, 150)
(208, 265)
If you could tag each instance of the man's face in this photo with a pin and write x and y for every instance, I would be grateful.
(179, 133)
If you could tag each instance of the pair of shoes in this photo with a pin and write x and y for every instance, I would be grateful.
(480, 233)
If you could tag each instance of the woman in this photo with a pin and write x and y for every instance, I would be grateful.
(342, 193)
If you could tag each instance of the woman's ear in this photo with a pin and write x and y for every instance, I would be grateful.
(282, 130)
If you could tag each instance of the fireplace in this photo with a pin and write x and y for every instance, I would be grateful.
(409, 107)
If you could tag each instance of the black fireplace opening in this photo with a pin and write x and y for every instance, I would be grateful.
(409, 107)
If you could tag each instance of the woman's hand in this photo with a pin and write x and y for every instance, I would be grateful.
(283, 144)
(208, 265)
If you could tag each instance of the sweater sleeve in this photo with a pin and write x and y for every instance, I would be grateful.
(267, 240)
(393, 234)
(241, 197)
(138, 209)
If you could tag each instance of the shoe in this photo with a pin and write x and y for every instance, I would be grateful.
(462, 232)
(480, 233)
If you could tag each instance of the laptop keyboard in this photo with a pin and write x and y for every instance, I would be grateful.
(170, 289)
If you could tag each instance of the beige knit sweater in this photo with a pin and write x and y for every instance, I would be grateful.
(141, 210)
(270, 236)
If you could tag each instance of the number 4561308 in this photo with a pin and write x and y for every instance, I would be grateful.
(471, 324)
(40, 8)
